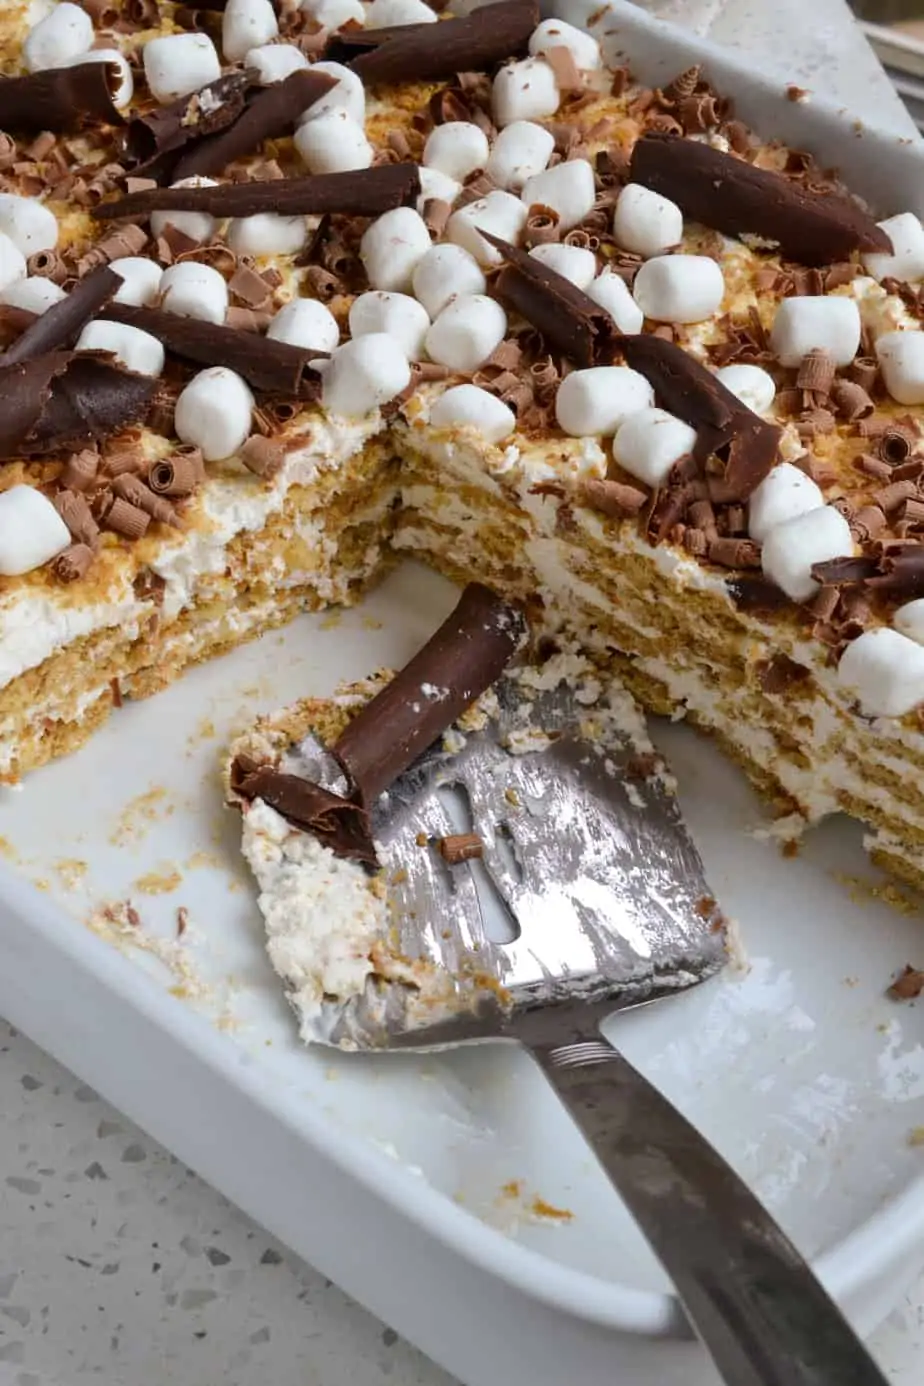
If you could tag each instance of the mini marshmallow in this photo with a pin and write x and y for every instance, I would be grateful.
(884, 670)
(333, 142)
(179, 64)
(456, 149)
(267, 233)
(571, 261)
(348, 95)
(31, 531)
(901, 360)
(12, 262)
(907, 259)
(305, 323)
(555, 33)
(134, 349)
(61, 35)
(29, 224)
(679, 288)
(613, 294)
(784, 494)
(194, 290)
(332, 14)
(198, 226)
(519, 152)
(435, 184)
(273, 62)
(500, 213)
(398, 314)
(650, 442)
(392, 247)
(466, 332)
(524, 91)
(443, 273)
(35, 294)
(385, 14)
(125, 82)
(468, 406)
(364, 373)
(597, 400)
(909, 619)
(751, 384)
(824, 323)
(791, 548)
(568, 188)
(246, 24)
(140, 280)
(214, 413)
(646, 223)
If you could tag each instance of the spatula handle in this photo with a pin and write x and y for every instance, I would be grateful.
(751, 1297)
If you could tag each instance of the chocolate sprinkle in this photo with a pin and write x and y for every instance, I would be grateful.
(434, 51)
(63, 400)
(340, 825)
(735, 197)
(61, 324)
(153, 142)
(60, 98)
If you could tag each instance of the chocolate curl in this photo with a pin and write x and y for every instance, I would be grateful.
(250, 287)
(732, 196)
(62, 323)
(133, 490)
(429, 52)
(76, 514)
(80, 470)
(612, 498)
(178, 475)
(541, 226)
(334, 821)
(127, 240)
(262, 456)
(62, 401)
(153, 138)
(71, 565)
(248, 319)
(436, 214)
(465, 656)
(851, 400)
(816, 371)
(123, 460)
(60, 98)
(125, 519)
(48, 264)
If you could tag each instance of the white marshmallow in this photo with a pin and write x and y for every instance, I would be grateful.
(520, 151)
(397, 314)
(500, 213)
(907, 259)
(305, 322)
(443, 273)
(524, 91)
(29, 224)
(645, 222)
(613, 294)
(596, 401)
(884, 670)
(791, 548)
(214, 413)
(751, 384)
(436, 184)
(198, 226)
(568, 188)
(573, 262)
(466, 332)
(194, 291)
(456, 149)
(267, 233)
(901, 360)
(246, 24)
(140, 280)
(651, 442)
(179, 64)
(31, 531)
(331, 14)
(784, 494)
(12, 262)
(35, 294)
(125, 82)
(679, 288)
(392, 247)
(348, 95)
(61, 35)
(364, 373)
(273, 62)
(909, 619)
(135, 349)
(555, 33)
(468, 406)
(826, 323)
(333, 142)
(384, 14)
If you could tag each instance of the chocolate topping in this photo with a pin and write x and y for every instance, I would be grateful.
(61, 324)
(459, 661)
(429, 52)
(152, 139)
(63, 400)
(268, 365)
(60, 98)
(360, 192)
(339, 824)
(733, 196)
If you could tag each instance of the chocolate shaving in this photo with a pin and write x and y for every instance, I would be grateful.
(80, 470)
(851, 400)
(816, 371)
(262, 456)
(460, 847)
(908, 985)
(435, 51)
(839, 572)
(753, 594)
(734, 197)
(77, 515)
(63, 401)
(614, 498)
(153, 142)
(62, 323)
(459, 661)
(360, 192)
(60, 98)
(340, 825)
(72, 563)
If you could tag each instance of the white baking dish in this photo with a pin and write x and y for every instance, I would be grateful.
(412, 1180)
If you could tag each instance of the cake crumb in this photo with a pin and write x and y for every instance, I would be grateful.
(8, 850)
(541, 1209)
(916, 1136)
(70, 872)
(332, 620)
(907, 986)
(139, 814)
(158, 882)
